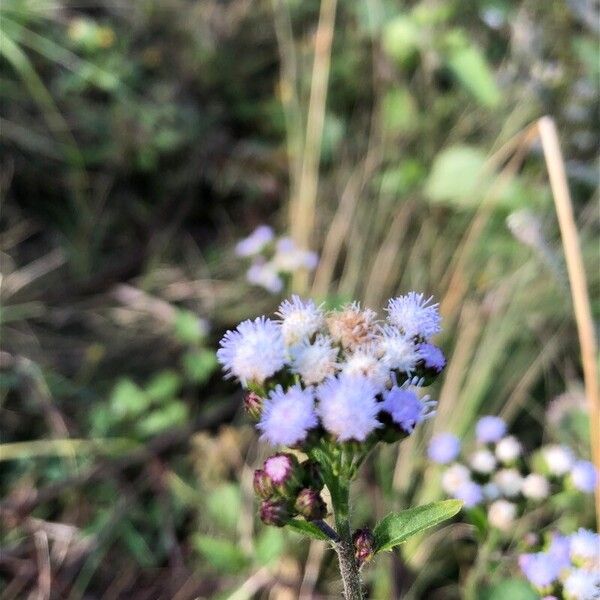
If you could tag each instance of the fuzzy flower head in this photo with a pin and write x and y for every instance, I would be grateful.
(415, 315)
(501, 514)
(491, 491)
(287, 416)
(540, 569)
(352, 327)
(584, 476)
(264, 274)
(470, 493)
(482, 461)
(489, 429)
(347, 407)
(432, 357)
(443, 448)
(300, 319)
(585, 546)
(508, 449)
(581, 584)
(558, 459)
(289, 258)
(255, 242)
(254, 351)
(454, 477)
(560, 550)
(405, 407)
(364, 361)
(314, 362)
(509, 481)
(535, 487)
(398, 351)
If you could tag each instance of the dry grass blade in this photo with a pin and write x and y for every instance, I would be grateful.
(304, 203)
(577, 280)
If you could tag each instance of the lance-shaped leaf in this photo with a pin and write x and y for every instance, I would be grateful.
(308, 529)
(396, 528)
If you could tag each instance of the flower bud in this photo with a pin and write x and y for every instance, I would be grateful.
(364, 545)
(275, 512)
(284, 472)
(253, 405)
(310, 505)
(263, 486)
(311, 475)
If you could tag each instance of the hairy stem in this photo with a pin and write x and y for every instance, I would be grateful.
(344, 548)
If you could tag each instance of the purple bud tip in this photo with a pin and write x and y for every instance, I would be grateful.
(274, 512)
(263, 486)
(280, 468)
(310, 505)
(364, 545)
(253, 404)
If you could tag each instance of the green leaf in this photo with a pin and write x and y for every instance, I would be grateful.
(221, 554)
(471, 69)
(396, 528)
(456, 176)
(515, 589)
(269, 545)
(163, 386)
(127, 399)
(307, 529)
(401, 38)
(224, 503)
(174, 414)
(199, 365)
(189, 329)
(399, 111)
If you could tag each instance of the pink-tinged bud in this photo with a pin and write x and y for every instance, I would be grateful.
(310, 505)
(253, 404)
(283, 470)
(311, 475)
(275, 512)
(263, 486)
(364, 545)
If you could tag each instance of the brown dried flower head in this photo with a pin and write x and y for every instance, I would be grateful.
(352, 327)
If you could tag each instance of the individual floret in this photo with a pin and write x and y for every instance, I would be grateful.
(255, 242)
(287, 415)
(300, 319)
(314, 362)
(364, 361)
(443, 448)
(347, 407)
(415, 315)
(490, 429)
(398, 351)
(352, 326)
(584, 476)
(405, 407)
(254, 351)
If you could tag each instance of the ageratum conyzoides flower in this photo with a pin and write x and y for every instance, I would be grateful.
(329, 386)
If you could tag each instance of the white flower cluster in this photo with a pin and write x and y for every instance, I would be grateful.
(498, 476)
(345, 366)
(272, 258)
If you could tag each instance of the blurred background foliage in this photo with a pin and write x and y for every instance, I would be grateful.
(140, 140)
